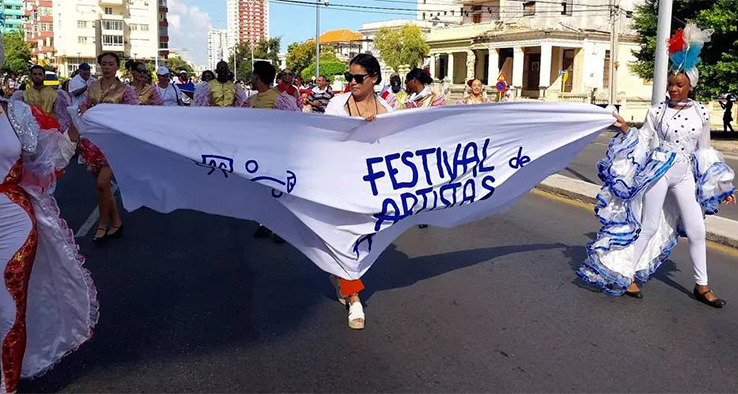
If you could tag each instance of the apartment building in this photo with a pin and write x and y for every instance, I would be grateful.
(13, 14)
(134, 29)
(248, 21)
(39, 30)
(218, 48)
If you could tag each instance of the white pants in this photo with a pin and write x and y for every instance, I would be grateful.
(15, 226)
(678, 180)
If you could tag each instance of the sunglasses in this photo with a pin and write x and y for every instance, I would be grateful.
(288, 75)
(358, 77)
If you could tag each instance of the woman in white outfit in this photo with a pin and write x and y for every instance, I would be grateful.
(364, 73)
(659, 181)
(48, 302)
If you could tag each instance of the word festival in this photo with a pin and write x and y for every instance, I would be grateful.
(418, 177)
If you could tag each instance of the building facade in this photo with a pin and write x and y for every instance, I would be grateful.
(217, 47)
(14, 15)
(39, 30)
(85, 28)
(440, 11)
(163, 29)
(248, 21)
(543, 50)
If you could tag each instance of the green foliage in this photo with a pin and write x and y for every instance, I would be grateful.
(719, 67)
(401, 46)
(328, 68)
(177, 64)
(17, 54)
(264, 50)
(300, 56)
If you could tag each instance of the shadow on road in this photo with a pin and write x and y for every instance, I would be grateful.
(168, 291)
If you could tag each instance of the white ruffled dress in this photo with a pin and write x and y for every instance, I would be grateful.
(50, 311)
(633, 163)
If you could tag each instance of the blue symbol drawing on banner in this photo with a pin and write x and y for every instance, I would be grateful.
(368, 238)
(215, 162)
(252, 166)
(520, 160)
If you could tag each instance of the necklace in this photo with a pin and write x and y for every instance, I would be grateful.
(356, 104)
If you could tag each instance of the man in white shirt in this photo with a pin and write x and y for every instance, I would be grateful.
(168, 91)
(80, 83)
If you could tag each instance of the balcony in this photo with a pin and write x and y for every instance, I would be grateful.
(113, 48)
(111, 2)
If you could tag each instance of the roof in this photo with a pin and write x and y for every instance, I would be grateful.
(340, 35)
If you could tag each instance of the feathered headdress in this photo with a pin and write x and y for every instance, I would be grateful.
(685, 48)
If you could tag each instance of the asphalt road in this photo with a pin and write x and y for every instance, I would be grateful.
(191, 302)
(584, 167)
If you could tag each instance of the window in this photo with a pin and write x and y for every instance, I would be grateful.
(568, 7)
(477, 18)
(114, 41)
(529, 8)
(606, 71)
(133, 26)
(81, 24)
(144, 27)
(424, 16)
(112, 25)
(82, 40)
(108, 10)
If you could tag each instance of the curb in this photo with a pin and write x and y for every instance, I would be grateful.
(719, 230)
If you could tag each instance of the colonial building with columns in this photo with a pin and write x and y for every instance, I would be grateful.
(551, 50)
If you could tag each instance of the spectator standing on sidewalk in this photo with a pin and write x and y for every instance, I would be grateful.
(728, 115)
(320, 95)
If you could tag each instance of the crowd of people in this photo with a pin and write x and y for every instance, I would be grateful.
(666, 134)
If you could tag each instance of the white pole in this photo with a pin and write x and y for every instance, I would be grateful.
(614, 20)
(661, 63)
(317, 39)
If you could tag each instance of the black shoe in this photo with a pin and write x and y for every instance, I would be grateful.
(118, 232)
(718, 303)
(277, 239)
(635, 294)
(101, 238)
(262, 232)
(422, 226)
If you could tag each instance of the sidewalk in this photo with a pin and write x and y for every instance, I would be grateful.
(719, 230)
(725, 142)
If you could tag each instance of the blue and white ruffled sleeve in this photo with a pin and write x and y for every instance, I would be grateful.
(713, 177)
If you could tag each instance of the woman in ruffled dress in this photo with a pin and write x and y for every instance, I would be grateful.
(669, 155)
(475, 94)
(362, 102)
(418, 86)
(48, 303)
(106, 90)
(147, 93)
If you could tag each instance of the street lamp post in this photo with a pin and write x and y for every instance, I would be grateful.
(661, 62)
(317, 35)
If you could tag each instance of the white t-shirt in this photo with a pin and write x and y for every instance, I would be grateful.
(170, 94)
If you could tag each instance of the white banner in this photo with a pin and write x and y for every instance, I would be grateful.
(339, 189)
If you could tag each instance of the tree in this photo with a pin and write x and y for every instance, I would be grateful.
(329, 69)
(401, 46)
(17, 54)
(264, 50)
(719, 67)
(177, 64)
(300, 56)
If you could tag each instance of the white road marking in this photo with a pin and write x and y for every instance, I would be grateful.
(92, 219)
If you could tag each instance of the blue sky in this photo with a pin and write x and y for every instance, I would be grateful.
(190, 20)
